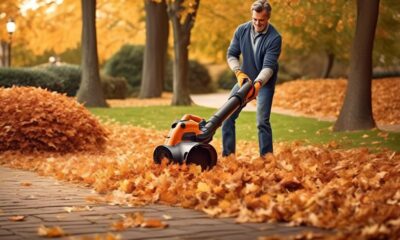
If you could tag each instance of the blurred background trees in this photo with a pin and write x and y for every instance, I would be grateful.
(314, 31)
(317, 38)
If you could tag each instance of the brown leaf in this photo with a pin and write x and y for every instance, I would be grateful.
(26, 184)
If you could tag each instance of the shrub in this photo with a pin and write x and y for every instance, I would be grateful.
(127, 63)
(114, 87)
(199, 78)
(33, 119)
(68, 75)
(29, 77)
(385, 74)
(227, 79)
(62, 79)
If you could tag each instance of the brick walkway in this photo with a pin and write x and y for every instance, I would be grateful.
(42, 201)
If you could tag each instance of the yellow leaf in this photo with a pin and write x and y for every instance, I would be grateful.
(203, 187)
(250, 188)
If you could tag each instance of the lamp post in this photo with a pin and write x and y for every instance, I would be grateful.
(10, 29)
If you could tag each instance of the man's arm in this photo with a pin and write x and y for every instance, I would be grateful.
(233, 63)
(264, 76)
(270, 61)
(272, 55)
(234, 52)
(233, 55)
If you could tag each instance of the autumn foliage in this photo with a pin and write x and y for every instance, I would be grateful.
(324, 98)
(33, 119)
(354, 191)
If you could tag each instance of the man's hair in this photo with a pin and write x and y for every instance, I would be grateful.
(260, 5)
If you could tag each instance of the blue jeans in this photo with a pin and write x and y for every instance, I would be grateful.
(264, 104)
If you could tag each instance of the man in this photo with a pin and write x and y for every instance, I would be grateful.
(259, 43)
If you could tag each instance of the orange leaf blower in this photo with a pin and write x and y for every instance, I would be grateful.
(189, 137)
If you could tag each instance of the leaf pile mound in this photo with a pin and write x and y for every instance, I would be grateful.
(33, 119)
(324, 98)
(354, 191)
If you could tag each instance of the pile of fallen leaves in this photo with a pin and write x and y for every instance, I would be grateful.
(324, 98)
(354, 191)
(33, 119)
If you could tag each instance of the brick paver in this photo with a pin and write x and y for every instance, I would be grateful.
(43, 203)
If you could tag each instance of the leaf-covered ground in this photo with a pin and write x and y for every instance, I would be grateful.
(354, 191)
(324, 98)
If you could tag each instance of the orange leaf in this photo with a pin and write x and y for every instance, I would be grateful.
(17, 218)
(154, 223)
(56, 231)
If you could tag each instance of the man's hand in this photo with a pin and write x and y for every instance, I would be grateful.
(253, 93)
(257, 86)
(241, 77)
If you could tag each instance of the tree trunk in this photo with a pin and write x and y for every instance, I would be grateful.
(155, 54)
(180, 88)
(4, 54)
(90, 92)
(182, 30)
(356, 112)
(329, 64)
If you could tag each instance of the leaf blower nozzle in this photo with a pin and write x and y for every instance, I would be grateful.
(187, 141)
(187, 152)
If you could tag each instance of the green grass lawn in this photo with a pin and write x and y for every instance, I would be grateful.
(285, 128)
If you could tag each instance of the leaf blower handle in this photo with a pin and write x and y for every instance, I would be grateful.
(253, 92)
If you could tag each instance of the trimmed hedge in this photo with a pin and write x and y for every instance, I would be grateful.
(62, 79)
(385, 74)
(69, 77)
(29, 77)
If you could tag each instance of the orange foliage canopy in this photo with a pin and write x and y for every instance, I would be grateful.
(33, 119)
